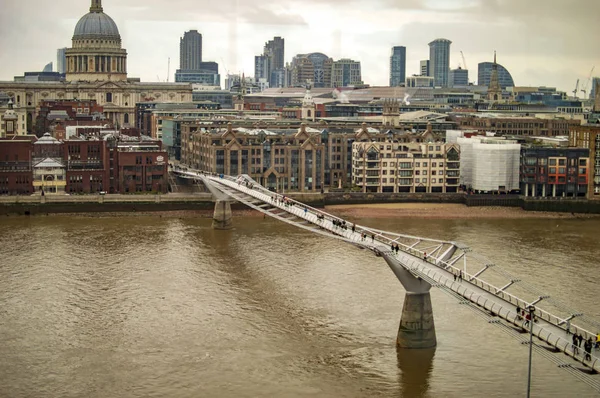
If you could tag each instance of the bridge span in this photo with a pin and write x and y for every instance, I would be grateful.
(421, 263)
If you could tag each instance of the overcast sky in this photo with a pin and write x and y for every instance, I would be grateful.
(541, 42)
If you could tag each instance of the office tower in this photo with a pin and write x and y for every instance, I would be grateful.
(315, 68)
(271, 63)
(261, 67)
(439, 61)
(458, 77)
(275, 50)
(61, 60)
(424, 68)
(484, 75)
(398, 66)
(345, 72)
(190, 51)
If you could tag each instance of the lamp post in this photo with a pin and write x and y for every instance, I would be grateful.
(531, 310)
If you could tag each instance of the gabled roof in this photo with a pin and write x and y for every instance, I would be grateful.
(49, 163)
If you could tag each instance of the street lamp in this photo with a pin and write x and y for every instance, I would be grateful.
(531, 310)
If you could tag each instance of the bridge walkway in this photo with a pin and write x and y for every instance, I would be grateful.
(439, 267)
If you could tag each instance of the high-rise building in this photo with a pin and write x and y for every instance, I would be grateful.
(271, 60)
(261, 67)
(439, 61)
(595, 82)
(61, 60)
(345, 72)
(484, 75)
(313, 67)
(424, 67)
(398, 66)
(191, 67)
(190, 50)
(275, 50)
(458, 77)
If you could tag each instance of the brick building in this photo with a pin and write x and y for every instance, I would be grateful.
(16, 176)
(588, 136)
(142, 167)
(82, 165)
(554, 172)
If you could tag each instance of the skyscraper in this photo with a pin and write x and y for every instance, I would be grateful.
(190, 51)
(61, 60)
(398, 66)
(275, 50)
(424, 67)
(439, 61)
(271, 63)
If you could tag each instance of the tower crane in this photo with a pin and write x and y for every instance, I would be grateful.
(584, 89)
(576, 89)
(464, 60)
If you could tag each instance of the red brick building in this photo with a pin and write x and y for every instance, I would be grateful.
(16, 176)
(89, 164)
(142, 167)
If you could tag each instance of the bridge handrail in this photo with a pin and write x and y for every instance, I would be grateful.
(517, 320)
(505, 296)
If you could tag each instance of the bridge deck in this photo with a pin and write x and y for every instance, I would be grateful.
(435, 268)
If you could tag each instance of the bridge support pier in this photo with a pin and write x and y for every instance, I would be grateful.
(417, 329)
(222, 215)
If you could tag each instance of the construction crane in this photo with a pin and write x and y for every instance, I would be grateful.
(576, 89)
(584, 89)
(464, 60)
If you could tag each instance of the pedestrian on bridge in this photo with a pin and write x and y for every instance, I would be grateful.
(587, 346)
(397, 248)
(598, 341)
(568, 327)
(519, 312)
(575, 344)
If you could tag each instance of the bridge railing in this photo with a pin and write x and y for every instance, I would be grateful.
(381, 238)
(556, 341)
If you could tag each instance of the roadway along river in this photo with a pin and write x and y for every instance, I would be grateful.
(166, 307)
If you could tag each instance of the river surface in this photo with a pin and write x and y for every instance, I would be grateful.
(151, 306)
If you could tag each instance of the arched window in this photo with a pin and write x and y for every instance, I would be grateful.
(126, 118)
(309, 113)
(108, 97)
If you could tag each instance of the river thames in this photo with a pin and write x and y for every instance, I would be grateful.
(150, 306)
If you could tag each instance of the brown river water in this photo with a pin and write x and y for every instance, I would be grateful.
(148, 306)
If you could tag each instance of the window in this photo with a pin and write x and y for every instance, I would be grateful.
(109, 97)
(552, 169)
(552, 162)
(417, 180)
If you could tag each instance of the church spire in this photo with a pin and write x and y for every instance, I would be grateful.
(96, 6)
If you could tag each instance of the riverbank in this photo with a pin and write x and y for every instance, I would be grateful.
(443, 211)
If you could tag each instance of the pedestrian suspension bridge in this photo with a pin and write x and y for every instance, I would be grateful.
(483, 287)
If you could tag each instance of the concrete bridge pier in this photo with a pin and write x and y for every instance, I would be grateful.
(417, 328)
(222, 215)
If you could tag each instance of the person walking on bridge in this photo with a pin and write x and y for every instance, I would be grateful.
(575, 344)
(587, 346)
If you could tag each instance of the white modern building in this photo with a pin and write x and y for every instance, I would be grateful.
(489, 164)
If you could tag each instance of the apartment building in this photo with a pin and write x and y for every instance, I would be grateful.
(406, 167)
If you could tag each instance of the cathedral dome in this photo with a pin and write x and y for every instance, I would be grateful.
(96, 25)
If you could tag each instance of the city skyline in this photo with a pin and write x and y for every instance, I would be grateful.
(234, 32)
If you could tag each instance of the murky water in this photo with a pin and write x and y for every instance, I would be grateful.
(167, 307)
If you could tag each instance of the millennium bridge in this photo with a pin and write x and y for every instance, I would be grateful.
(498, 297)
